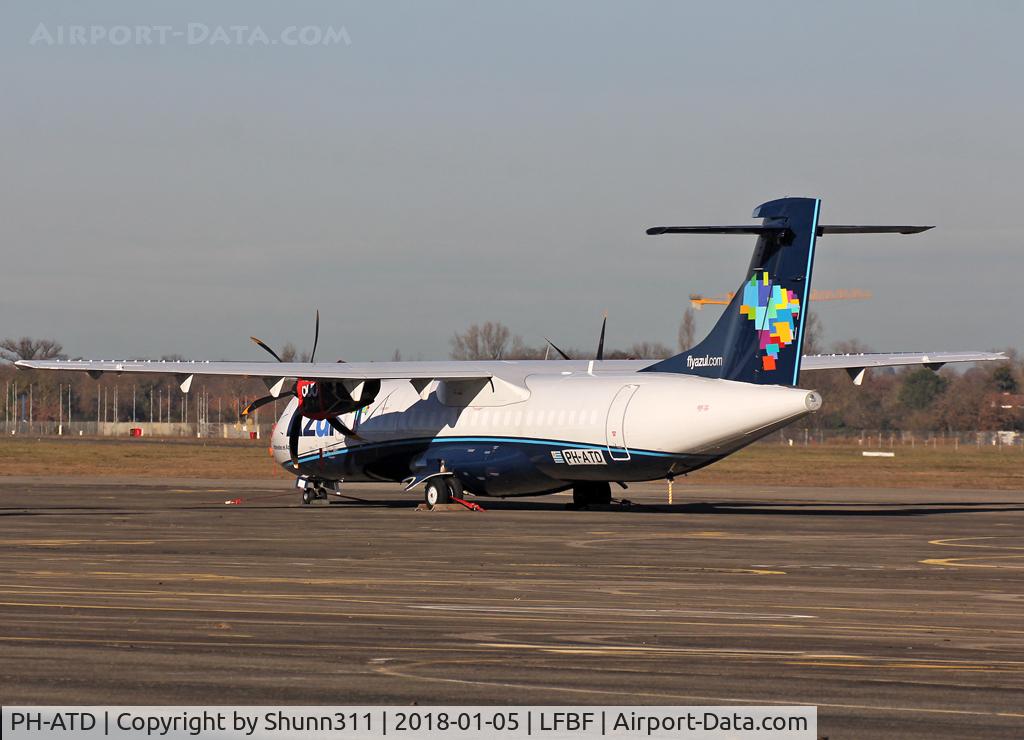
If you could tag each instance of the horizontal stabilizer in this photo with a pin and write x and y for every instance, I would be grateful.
(778, 230)
(750, 229)
(841, 229)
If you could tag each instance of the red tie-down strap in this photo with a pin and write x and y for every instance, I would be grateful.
(468, 504)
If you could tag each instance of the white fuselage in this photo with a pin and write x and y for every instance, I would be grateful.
(566, 426)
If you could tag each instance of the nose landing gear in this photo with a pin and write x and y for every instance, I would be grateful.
(312, 490)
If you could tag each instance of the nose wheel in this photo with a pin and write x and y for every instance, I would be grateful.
(313, 493)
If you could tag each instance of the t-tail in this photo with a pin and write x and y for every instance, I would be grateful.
(759, 338)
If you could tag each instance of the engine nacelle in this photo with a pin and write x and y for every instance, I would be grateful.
(319, 399)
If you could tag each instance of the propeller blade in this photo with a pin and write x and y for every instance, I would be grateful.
(342, 429)
(256, 404)
(600, 342)
(294, 429)
(555, 347)
(264, 345)
(316, 336)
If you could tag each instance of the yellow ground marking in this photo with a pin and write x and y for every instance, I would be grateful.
(789, 655)
(380, 580)
(204, 643)
(794, 659)
(162, 541)
(530, 616)
(698, 534)
(515, 619)
(961, 542)
(969, 562)
(76, 542)
(691, 698)
(372, 578)
(968, 668)
(961, 562)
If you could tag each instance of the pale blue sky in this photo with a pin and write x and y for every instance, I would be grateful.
(471, 161)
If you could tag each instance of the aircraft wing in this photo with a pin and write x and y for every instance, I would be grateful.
(933, 360)
(274, 370)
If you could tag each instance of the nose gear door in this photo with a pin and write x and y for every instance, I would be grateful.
(614, 426)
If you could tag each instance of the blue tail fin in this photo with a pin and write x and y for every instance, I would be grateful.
(759, 337)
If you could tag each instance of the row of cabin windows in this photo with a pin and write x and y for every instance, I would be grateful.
(472, 418)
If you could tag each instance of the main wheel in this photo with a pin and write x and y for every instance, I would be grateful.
(307, 497)
(437, 492)
(455, 489)
(591, 493)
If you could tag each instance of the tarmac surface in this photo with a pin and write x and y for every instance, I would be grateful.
(899, 613)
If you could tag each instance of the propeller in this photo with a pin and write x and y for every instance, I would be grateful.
(316, 337)
(317, 400)
(600, 343)
(557, 349)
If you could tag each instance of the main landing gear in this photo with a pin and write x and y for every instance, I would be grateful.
(441, 490)
(591, 493)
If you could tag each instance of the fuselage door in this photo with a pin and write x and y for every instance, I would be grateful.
(614, 426)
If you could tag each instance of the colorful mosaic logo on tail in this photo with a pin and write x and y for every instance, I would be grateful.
(774, 311)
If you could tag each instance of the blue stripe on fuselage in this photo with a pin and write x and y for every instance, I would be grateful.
(310, 456)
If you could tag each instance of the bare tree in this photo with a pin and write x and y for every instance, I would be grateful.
(687, 331)
(27, 348)
(488, 341)
(522, 351)
(650, 351)
(641, 351)
(289, 353)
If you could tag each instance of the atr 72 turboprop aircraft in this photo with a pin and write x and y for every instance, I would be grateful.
(509, 428)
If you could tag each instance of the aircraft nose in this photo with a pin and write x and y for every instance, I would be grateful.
(279, 438)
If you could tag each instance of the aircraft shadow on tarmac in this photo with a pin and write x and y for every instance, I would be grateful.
(721, 508)
(745, 508)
